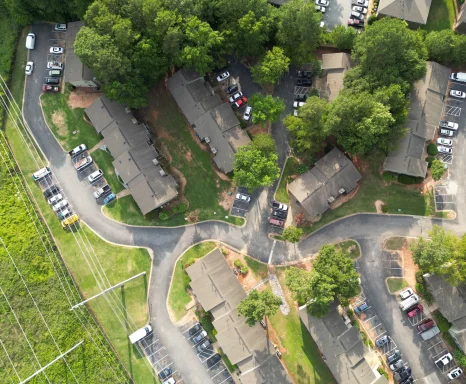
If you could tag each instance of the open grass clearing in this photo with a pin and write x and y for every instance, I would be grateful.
(104, 160)
(290, 169)
(441, 15)
(349, 248)
(396, 284)
(260, 270)
(395, 243)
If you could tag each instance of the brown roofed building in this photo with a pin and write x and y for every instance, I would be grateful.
(334, 67)
(414, 12)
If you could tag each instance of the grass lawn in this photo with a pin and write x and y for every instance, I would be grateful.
(344, 247)
(203, 187)
(442, 322)
(302, 357)
(396, 283)
(104, 160)
(395, 243)
(259, 269)
(441, 15)
(290, 169)
(400, 198)
(119, 263)
(178, 297)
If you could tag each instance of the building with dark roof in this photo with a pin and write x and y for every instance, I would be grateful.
(75, 72)
(342, 348)
(425, 112)
(452, 303)
(333, 175)
(414, 12)
(136, 161)
(218, 291)
(213, 120)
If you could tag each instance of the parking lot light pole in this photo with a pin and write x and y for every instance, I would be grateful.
(107, 290)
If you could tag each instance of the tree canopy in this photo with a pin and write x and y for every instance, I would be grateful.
(257, 305)
(437, 169)
(266, 108)
(292, 234)
(272, 67)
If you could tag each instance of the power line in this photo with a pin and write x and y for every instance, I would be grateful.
(9, 358)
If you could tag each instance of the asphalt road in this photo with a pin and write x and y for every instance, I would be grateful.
(168, 244)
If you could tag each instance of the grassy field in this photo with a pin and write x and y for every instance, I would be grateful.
(203, 188)
(396, 283)
(104, 161)
(395, 243)
(344, 247)
(259, 269)
(118, 263)
(302, 357)
(441, 15)
(67, 124)
(290, 169)
(399, 198)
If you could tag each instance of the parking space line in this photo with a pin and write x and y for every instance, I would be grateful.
(156, 351)
(373, 328)
(365, 321)
(218, 373)
(208, 357)
(390, 350)
(438, 354)
(168, 366)
(217, 363)
(161, 358)
(435, 345)
(229, 377)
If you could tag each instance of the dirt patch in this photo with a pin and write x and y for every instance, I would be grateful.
(257, 129)
(362, 165)
(58, 119)
(226, 200)
(248, 281)
(409, 267)
(378, 205)
(82, 99)
(188, 155)
(344, 198)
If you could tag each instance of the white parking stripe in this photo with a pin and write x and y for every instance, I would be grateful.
(365, 321)
(229, 377)
(167, 367)
(161, 358)
(435, 345)
(217, 363)
(218, 374)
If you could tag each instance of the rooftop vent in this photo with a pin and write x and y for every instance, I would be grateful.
(342, 191)
(127, 110)
(134, 120)
(155, 161)
(206, 139)
(331, 199)
(214, 151)
(162, 173)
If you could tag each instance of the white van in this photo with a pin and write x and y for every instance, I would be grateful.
(460, 76)
(41, 173)
(140, 334)
(409, 302)
(30, 41)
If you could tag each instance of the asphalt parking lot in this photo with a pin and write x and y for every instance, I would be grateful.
(337, 13)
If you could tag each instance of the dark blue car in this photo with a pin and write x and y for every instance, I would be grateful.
(361, 308)
(109, 198)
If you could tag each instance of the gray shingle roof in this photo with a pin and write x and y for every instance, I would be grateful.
(414, 11)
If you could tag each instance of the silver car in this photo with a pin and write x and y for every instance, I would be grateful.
(62, 204)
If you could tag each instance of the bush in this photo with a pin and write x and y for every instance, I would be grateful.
(429, 160)
(163, 216)
(180, 208)
(420, 288)
(460, 358)
(388, 176)
(432, 149)
(302, 168)
(190, 262)
(314, 92)
(371, 19)
(385, 208)
(406, 179)
(242, 267)
(224, 251)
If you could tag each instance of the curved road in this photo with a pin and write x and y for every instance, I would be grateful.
(169, 243)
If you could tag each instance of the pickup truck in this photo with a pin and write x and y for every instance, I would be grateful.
(444, 360)
(83, 163)
(102, 191)
(78, 150)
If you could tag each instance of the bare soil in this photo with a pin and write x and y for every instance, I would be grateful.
(249, 280)
(409, 267)
(257, 129)
(226, 200)
(58, 118)
(378, 205)
(82, 99)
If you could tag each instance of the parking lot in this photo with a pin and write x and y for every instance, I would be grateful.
(337, 13)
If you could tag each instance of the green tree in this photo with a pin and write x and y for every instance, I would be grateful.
(257, 305)
(253, 168)
(252, 34)
(266, 108)
(393, 97)
(265, 143)
(390, 53)
(360, 123)
(344, 37)
(322, 292)
(441, 45)
(272, 67)
(292, 234)
(437, 169)
(299, 31)
(308, 130)
(298, 282)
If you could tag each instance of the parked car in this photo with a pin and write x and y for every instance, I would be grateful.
(320, 8)
(202, 347)
(195, 329)
(196, 339)
(448, 125)
(446, 132)
(393, 356)
(52, 80)
(301, 97)
(213, 360)
(279, 206)
(361, 308)
(56, 50)
(406, 293)
(171, 380)
(381, 341)
(55, 199)
(443, 149)
(409, 380)
(425, 325)
(232, 88)
(51, 191)
(276, 223)
(279, 214)
(458, 94)
(361, 3)
(29, 68)
(54, 73)
(60, 27)
(304, 82)
(444, 360)
(223, 76)
(50, 88)
(78, 150)
(402, 375)
(109, 198)
(324, 3)
(360, 9)
(356, 15)
(30, 41)
(304, 74)
(417, 309)
(102, 191)
(455, 373)
(241, 102)
(41, 173)
(54, 65)
(65, 213)
(298, 104)
(355, 23)
(94, 176)
(83, 163)
(243, 197)
(247, 113)
(60, 205)
(397, 365)
(164, 373)
(235, 97)
(443, 141)
(70, 221)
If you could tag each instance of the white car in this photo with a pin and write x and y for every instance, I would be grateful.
(29, 68)
(54, 65)
(56, 50)
(55, 199)
(60, 27)
(247, 113)
(357, 15)
(235, 97)
(324, 3)
(448, 125)
(243, 197)
(446, 132)
(443, 149)
(443, 141)
(455, 373)
(223, 76)
(320, 8)
(360, 9)
(298, 104)
(458, 94)
(362, 3)
(60, 205)
(95, 175)
(406, 293)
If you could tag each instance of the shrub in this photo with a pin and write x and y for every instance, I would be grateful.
(193, 216)
(224, 251)
(460, 358)
(350, 313)
(419, 278)
(385, 208)
(179, 208)
(388, 176)
(314, 92)
(163, 216)
(371, 19)
(190, 262)
(302, 168)
(238, 263)
(420, 288)
(429, 160)
(432, 149)
(406, 179)
(242, 267)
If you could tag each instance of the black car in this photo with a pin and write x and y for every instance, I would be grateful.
(301, 97)
(52, 80)
(213, 360)
(53, 190)
(279, 214)
(195, 329)
(232, 88)
(409, 380)
(402, 375)
(304, 74)
(304, 82)
(163, 374)
(395, 356)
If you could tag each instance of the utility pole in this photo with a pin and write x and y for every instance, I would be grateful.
(53, 361)
(107, 290)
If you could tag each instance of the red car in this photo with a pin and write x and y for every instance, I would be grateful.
(50, 88)
(241, 102)
(356, 23)
(425, 325)
(413, 312)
